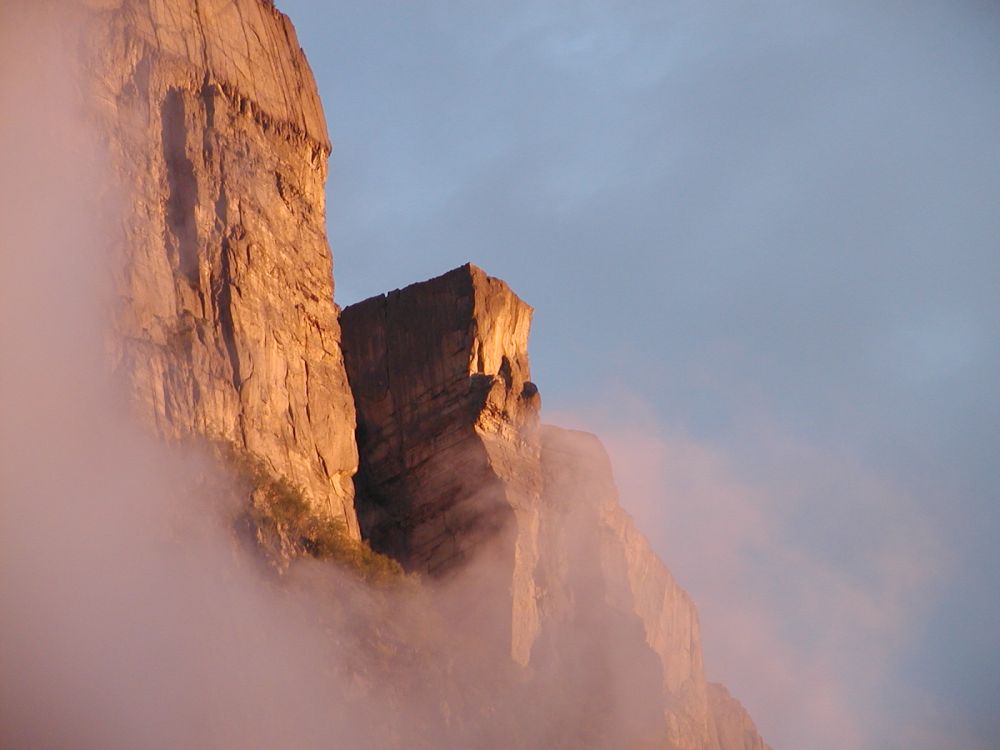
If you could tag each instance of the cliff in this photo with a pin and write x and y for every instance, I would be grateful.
(225, 323)
(600, 567)
(416, 430)
(456, 469)
(450, 469)
(735, 727)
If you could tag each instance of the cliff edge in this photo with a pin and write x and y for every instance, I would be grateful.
(226, 325)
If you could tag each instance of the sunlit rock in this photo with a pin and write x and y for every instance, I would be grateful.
(225, 324)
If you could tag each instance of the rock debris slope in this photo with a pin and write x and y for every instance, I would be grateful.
(225, 327)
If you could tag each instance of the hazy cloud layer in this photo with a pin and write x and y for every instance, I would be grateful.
(134, 612)
(775, 224)
(806, 633)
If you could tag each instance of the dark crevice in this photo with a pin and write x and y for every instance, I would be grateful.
(226, 315)
(506, 373)
(222, 202)
(208, 93)
(182, 188)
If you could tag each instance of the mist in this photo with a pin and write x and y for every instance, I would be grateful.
(129, 618)
(134, 613)
(785, 218)
(761, 242)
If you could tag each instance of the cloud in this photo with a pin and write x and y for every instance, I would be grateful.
(810, 571)
(812, 567)
(134, 615)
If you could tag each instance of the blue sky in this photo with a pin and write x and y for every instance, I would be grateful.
(762, 240)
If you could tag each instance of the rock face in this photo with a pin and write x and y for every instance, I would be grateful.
(598, 567)
(455, 470)
(446, 409)
(226, 325)
(735, 727)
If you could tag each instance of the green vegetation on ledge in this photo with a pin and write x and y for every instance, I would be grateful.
(279, 509)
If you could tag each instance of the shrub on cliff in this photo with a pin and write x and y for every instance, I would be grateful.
(278, 509)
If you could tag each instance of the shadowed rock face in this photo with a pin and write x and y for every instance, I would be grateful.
(226, 325)
(456, 472)
(440, 376)
(446, 413)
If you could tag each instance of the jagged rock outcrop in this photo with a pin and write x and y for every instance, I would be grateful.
(454, 466)
(450, 462)
(226, 325)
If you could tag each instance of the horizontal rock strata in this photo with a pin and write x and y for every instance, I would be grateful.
(449, 462)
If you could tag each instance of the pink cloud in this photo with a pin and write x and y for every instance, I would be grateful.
(802, 619)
